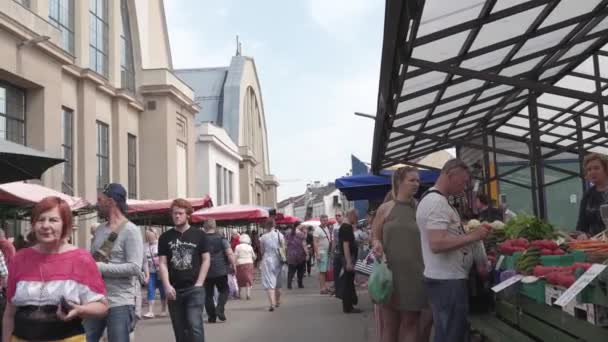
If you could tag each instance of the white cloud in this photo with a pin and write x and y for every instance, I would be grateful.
(342, 18)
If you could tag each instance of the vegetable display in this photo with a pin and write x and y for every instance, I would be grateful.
(596, 251)
(528, 227)
(528, 260)
(560, 275)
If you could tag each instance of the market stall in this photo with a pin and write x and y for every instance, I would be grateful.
(519, 90)
(240, 217)
(158, 212)
(375, 187)
(284, 219)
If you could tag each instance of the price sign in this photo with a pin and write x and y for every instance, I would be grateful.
(513, 280)
(499, 262)
(580, 284)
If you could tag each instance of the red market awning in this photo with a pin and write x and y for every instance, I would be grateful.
(331, 220)
(27, 194)
(231, 213)
(286, 219)
(153, 207)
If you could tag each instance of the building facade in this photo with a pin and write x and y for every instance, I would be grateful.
(92, 81)
(316, 201)
(231, 98)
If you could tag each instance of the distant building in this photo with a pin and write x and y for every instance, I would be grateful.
(231, 98)
(317, 200)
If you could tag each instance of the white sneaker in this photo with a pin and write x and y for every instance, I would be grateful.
(149, 315)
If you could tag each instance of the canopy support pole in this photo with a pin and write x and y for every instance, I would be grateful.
(537, 175)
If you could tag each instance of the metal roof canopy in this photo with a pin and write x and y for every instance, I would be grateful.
(530, 71)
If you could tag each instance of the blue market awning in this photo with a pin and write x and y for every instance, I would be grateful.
(375, 187)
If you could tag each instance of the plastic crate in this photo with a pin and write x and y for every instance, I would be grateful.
(534, 291)
(557, 260)
(510, 260)
(579, 256)
(595, 293)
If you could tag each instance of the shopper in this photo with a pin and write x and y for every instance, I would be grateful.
(348, 253)
(323, 240)
(184, 261)
(118, 249)
(297, 254)
(310, 249)
(272, 265)
(448, 253)
(488, 213)
(245, 258)
(152, 277)
(337, 260)
(406, 317)
(217, 277)
(590, 221)
(62, 271)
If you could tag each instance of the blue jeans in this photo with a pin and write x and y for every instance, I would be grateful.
(153, 284)
(187, 315)
(450, 305)
(120, 321)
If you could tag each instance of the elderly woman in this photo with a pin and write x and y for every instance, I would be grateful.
(596, 171)
(297, 253)
(272, 265)
(245, 258)
(395, 232)
(53, 285)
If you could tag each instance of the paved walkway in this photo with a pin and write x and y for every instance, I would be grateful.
(304, 316)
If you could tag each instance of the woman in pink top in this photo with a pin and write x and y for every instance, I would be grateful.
(52, 285)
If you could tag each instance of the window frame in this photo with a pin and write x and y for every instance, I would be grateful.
(61, 24)
(67, 183)
(132, 166)
(101, 180)
(95, 50)
(8, 118)
(127, 64)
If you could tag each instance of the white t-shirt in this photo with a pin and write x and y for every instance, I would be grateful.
(435, 212)
(324, 236)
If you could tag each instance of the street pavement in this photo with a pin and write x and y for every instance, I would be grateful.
(304, 316)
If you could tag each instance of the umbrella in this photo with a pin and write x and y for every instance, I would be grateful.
(26, 195)
(286, 219)
(19, 162)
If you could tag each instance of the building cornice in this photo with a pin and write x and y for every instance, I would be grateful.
(173, 92)
(212, 139)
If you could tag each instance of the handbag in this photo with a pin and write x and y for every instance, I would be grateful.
(366, 265)
(282, 250)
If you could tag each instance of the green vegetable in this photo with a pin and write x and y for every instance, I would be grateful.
(529, 227)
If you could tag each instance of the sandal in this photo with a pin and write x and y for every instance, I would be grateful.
(271, 308)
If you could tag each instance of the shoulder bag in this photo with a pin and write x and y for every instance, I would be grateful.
(282, 249)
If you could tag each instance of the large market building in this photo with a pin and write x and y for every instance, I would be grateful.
(93, 82)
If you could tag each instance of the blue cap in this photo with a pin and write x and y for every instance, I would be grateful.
(118, 193)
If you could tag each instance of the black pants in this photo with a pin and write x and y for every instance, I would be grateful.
(348, 291)
(337, 263)
(309, 263)
(221, 283)
(292, 269)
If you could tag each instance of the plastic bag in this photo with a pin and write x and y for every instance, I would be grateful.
(233, 287)
(380, 284)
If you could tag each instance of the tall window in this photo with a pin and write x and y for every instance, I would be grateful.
(127, 70)
(67, 130)
(103, 155)
(219, 184)
(230, 188)
(99, 36)
(61, 15)
(12, 114)
(182, 169)
(132, 165)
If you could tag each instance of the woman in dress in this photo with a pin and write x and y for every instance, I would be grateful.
(272, 265)
(406, 317)
(590, 221)
(152, 276)
(53, 285)
(245, 257)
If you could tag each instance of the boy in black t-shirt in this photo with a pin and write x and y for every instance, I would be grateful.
(348, 251)
(184, 263)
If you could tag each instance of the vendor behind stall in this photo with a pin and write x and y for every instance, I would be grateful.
(596, 171)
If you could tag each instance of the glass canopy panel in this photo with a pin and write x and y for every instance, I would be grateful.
(556, 100)
(487, 60)
(599, 27)
(453, 104)
(442, 49)
(567, 9)
(437, 129)
(578, 49)
(416, 102)
(495, 90)
(394, 135)
(400, 141)
(548, 138)
(410, 118)
(518, 121)
(521, 67)
(513, 131)
(462, 87)
(472, 118)
(587, 134)
(484, 105)
(398, 149)
(545, 41)
(586, 67)
(578, 83)
(546, 114)
(563, 131)
(439, 14)
(552, 72)
(437, 119)
(506, 28)
(427, 80)
(503, 4)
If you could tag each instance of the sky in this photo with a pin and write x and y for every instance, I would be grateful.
(318, 62)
